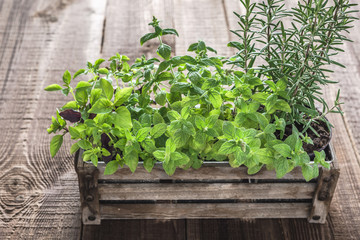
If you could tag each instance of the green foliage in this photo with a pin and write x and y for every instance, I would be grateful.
(297, 58)
(184, 110)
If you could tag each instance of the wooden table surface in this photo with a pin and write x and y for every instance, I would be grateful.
(39, 39)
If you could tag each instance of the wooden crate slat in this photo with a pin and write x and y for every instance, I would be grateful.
(203, 191)
(205, 211)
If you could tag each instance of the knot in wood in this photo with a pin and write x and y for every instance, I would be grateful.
(17, 192)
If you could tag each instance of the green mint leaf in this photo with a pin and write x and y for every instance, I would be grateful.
(228, 147)
(111, 167)
(164, 76)
(319, 156)
(212, 133)
(211, 120)
(79, 72)
(145, 120)
(162, 66)
(98, 62)
(283, 149)
(159, 155)
(229, 130)
(149, 145)
(310, 171)
(158, 130)
(65, 91)
(75, 134)
(282, 105)
(181, 138)
(81, 96)
(107, 88)
(215, 98)
(185, 112)
(199, 122)
(173, 115)
(269, 129)
(122, 95)
(164, 51)
(147, 37)
(55, 144)
(53, 87)
(169, 167)
(67, 77)
(142, 134)
(84, 144)
(201, 46)
(105, 152)
(169, 31)
(94, 159)
(179, 159)
(281, 84)
(103, 105)
(70, 105)
(189, 60)
(74, 148)
(264, 155)
(192, 47)
(149, 164)
(254, 169)
(200, 140)
(103, 71)
(260, 97)
(211, 50)
(292, 140)
(95, 94)
(240, 157)
(157, 118)
(132, 160)
(281, 166)
(160, 98)
(122, 118)
(83, 84)
(158, 30)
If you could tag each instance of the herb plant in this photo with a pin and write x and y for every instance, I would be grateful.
(184, 110)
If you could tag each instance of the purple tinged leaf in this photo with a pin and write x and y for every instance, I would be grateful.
(71, 115)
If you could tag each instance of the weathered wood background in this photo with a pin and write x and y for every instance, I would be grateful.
(39, 39)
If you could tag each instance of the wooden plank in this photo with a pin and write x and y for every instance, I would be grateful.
(205, 21)
(299, 229)
(206, 210)
(323, 195)
(213, 229)
(345, 206)
(127, 21)
(89, 196)
(136, 229)
(206, 191)
(39, 40)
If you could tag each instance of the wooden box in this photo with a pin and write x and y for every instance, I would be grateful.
(214, 191)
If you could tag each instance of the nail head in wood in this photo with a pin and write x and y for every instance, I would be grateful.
(89, 198)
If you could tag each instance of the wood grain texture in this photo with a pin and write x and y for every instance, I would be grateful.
(136, 230)
(39, 40)
(203, 211)
(206, 191)
(232, 229)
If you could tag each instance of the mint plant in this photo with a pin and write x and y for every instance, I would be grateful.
(184, 110)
